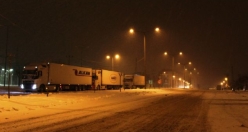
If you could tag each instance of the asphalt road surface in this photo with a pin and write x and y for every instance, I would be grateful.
(173, 111)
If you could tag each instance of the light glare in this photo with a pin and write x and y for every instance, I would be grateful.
(131, 30)
(157, 29)
(117, 56)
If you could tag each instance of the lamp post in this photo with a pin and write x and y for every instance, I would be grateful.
(184, 70)
(173, 63)
(193, 79)
(179, 82)
(6, 53)
(112, 60)
(226, 79)
(144, 42)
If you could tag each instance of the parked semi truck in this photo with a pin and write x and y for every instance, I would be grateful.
(55, 77)
(105, 79)
(134, 81)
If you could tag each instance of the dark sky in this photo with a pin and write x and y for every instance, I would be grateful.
(212, 34)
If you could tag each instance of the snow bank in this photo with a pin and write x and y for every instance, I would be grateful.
(38, 104)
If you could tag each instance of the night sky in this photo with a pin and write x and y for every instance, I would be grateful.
(212, 34)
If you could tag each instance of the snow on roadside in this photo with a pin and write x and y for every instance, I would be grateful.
(32, 105)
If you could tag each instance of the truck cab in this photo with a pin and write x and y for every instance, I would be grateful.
(31, 75)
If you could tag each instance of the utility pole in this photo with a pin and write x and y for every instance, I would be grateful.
(9, 75)
(6, 55)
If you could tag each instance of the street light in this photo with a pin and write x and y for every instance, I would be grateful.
(173, 59)
(184, 70)
(157, 29)
(144, 42)
(173, 63)
(193, 73)
(112, 60)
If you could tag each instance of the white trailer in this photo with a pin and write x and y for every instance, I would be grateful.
(105, 79)
(55, 77)
(134, 81)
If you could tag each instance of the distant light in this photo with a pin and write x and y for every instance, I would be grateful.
(2, 69)
(108, 57)
(131, 30)
(117, 56)
(165, 53)
(10, 70)
(157, 29)
(180, 53)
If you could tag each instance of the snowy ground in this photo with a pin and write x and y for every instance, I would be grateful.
(129, 110)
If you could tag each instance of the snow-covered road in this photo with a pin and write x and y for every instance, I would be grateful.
(130, 110)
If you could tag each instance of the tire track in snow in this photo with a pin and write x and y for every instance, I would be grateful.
(68, 118)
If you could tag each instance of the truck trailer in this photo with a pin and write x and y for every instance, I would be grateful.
(55, 77)
(105, 79)
(134, 81)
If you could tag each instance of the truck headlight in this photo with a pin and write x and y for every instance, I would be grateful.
(22, 86)
(34, 86)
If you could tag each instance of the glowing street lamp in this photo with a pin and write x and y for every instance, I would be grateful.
(112, 60)
(226, 79)
(144, 42)
(173, 63)
(157, 29)
(184, 69)
(173, 59)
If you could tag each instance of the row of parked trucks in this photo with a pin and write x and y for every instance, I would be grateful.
(60, 77)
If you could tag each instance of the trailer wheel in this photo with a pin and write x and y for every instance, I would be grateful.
(80, 88)
(76, 88)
